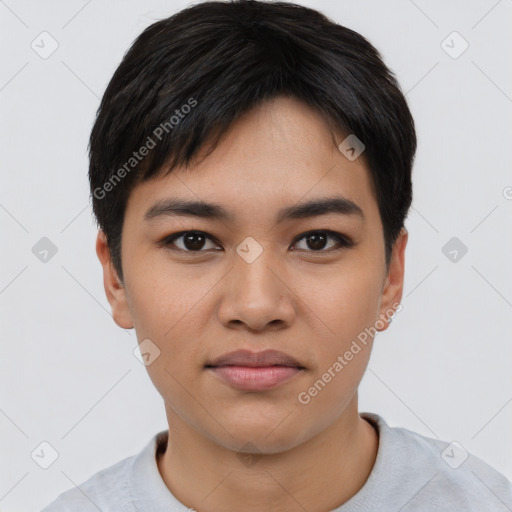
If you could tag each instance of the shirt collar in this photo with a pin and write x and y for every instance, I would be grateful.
(148, 490)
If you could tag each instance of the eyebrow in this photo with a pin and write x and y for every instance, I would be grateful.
(172, 207)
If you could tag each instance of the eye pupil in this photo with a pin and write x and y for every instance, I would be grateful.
(191, 241)
(316, 241)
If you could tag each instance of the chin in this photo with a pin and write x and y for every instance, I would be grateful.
(268, 434)
(256, 442)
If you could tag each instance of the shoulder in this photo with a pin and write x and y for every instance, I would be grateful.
(441, 475)
(103, 489)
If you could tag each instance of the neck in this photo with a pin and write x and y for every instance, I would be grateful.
(319, 474)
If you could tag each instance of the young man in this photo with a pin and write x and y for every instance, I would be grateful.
(250, 168)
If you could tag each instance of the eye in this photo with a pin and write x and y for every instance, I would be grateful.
(197, 241)
(316, 241)
(192, 241)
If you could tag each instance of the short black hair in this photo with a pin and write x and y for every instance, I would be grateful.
(188, 77)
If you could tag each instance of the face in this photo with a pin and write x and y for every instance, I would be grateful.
(269, 274)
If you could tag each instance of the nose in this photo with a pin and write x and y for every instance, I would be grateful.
(257, 296)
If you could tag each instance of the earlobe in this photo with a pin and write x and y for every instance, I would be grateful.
(394, 282)
(114, 288)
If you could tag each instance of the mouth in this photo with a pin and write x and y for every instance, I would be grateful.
(255, 371)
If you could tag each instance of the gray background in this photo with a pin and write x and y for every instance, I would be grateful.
(68, 375)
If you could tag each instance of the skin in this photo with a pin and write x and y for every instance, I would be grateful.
(310, 303)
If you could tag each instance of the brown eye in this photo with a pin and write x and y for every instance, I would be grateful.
(316, 241)
(197, 241)
(188, 241)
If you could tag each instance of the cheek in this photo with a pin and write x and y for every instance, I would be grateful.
(160, 296)
(168, 307)
(163, 310)
(346, 303)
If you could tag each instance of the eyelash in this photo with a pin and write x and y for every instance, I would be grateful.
(343, 241)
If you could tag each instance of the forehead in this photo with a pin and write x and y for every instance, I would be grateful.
(276, 155)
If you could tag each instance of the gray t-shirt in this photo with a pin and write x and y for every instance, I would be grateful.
(412, 473)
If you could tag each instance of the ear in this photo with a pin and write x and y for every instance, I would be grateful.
(114, 289)
(394, 283)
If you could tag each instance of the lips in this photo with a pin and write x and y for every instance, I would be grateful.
(255, 371)
(255, 359)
